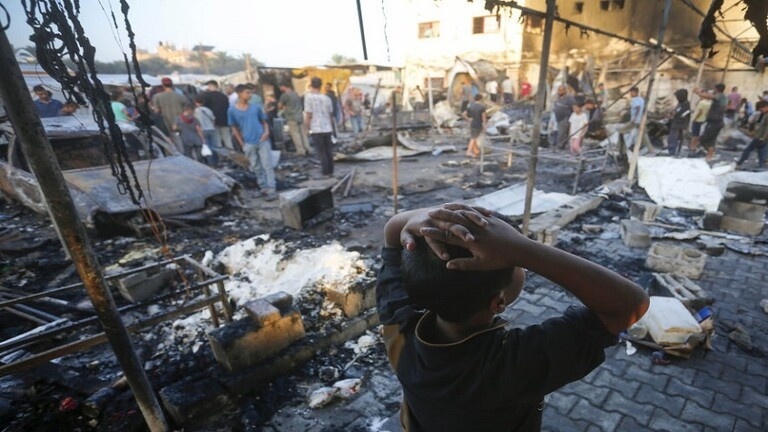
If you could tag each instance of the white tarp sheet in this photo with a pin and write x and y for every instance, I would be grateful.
(681, 183)
(510, 201)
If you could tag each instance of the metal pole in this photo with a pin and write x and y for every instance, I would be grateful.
(394, 151)
(704, 55)
(362, 29)
(541, 90)
(431, 101)
(727, 62)
(45, 167)
(655, 59)
(373, 105)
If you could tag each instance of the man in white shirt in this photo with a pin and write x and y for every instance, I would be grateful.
(319, 124)
(492, 88)
(508, 89)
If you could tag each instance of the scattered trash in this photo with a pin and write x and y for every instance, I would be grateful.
(740, 337)
(631, 350)
(348, 387)
(660, 358)
(322, 397)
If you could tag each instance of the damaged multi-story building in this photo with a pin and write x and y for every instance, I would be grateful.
(612, 40)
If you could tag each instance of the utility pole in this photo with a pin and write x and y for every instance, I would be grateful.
(395, 170)
(654, 64)
(44, 165)
(541, 95)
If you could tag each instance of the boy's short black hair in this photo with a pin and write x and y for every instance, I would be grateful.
(315, 83)
(38, 88)
(720, 87)
(454, 295)
(478, 97)
(200, 99)
(761, 104)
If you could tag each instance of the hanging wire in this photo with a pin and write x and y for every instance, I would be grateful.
(386, 37)
(7, 25)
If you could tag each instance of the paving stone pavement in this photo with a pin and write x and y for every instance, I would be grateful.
(725, 389)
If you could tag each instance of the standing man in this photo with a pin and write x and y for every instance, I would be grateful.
(466, 95)
(715, 118)
(218, 103)
(492, 88)
(290, 105)
(679, 122)
(354, 110)
(229, 91)
(45, 104)
(698, 119)
(734, 103)
(251, 131)
(760, 137)
(334, 101)
(507, 87)
(636, 107)
(170, 104)
(318, 123)
(476, 114)
(562, 110)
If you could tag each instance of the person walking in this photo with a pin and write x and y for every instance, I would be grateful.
(169, 104)
(760, 139)
(319, 124)
(562, 109)
(207, 121)
(715, 118)
(353, 107)
(251, 132)
(475, 113)
(681, 115)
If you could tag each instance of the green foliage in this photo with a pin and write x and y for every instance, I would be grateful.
(338, 59)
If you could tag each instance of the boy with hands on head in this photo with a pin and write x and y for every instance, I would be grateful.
(447, 273)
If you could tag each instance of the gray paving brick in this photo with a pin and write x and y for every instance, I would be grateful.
(606, 421)
(594, 394)
(705, 381)
(757, 367)
(704, 397)
(657, 381)
(753, 398)
(553, 422)
(676, 370)
(640, 412)
(695, 413)
(736, 363)
(663, 422)
(756, 382)
(671, 404)
(561, 402)
(753, 414)
(621, 385)
(628, 424)
(742, 426)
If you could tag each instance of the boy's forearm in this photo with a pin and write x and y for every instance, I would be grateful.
(617, 301)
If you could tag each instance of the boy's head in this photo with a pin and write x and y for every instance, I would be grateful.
(720, 88)
(762, 106)
(455, 295)
(187, 108)
(577, 108)
(478, 97)
(634, 91)
(199, 100)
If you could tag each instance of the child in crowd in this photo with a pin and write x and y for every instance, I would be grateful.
(190, 132)
(578, 128)
(207, 121)
(446, 275)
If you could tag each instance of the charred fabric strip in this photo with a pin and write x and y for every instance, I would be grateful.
(58, 35)
(757, 14)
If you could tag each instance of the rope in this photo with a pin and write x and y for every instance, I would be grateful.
(7, 17)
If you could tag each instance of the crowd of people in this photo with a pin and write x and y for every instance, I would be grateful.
(238, 119)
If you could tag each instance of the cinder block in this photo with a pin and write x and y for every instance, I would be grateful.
(644, 210)
(635, 233)
(548, 236)
(712, 221)
(301, 205)
(672, 259)
(262, 312)
(353, 299)
(280, 299)
(742, 217)
(141, 286)
(245, 342)
(191, 400)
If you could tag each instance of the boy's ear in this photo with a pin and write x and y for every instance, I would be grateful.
(498, 303)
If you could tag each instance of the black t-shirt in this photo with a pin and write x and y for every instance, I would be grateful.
(475, 112)
(217, 102)
(494, 380)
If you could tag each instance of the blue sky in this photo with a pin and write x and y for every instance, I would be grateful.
(275, 32)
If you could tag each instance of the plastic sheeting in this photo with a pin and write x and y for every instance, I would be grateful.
(681, 183)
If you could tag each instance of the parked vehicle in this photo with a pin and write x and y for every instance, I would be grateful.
(175, 186)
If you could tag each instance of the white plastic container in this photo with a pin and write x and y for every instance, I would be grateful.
(669, 322)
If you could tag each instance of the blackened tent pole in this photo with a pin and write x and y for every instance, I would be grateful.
(654, 63)
(44, 165)
(362, 30)
(541, 94)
